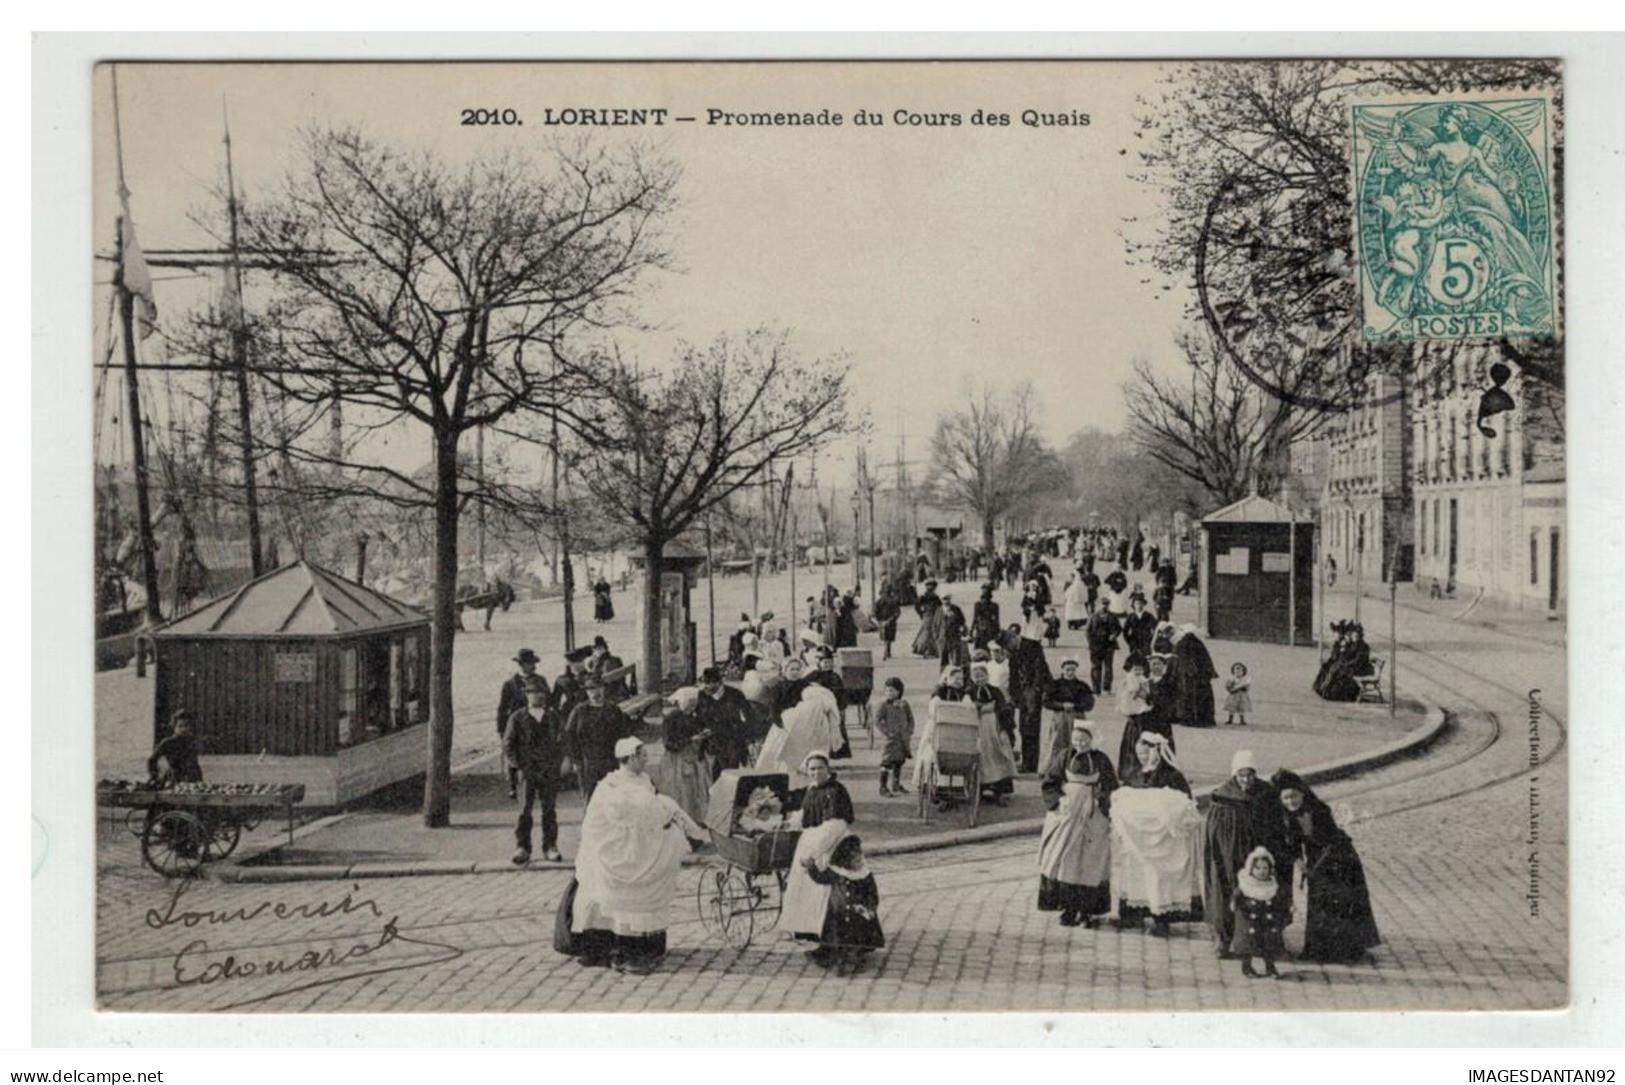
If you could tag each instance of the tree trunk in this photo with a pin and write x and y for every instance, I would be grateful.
(651, 671)
(987, 534)
(442, 630)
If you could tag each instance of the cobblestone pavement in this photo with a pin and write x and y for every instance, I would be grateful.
(1447, 840)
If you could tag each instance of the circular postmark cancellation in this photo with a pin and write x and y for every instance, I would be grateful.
(1453, 220)
(1454, 240)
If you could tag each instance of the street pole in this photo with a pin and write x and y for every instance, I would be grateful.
(1292, 579)
(239, 357)
(857, 566)
(138, 442)
(711, 588)
(1393, 639)
(874, 575)
(824, 514)
(794, 557)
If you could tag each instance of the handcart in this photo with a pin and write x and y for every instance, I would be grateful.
(954, 776)
(857, 670)
(182, 826)
(741, 890)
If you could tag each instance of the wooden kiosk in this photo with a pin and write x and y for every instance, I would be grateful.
(300, 677)
(1257, 573)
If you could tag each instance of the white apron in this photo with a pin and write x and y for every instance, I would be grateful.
(1075, 847)
(805, 901)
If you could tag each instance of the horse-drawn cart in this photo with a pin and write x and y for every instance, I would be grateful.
(183, 826)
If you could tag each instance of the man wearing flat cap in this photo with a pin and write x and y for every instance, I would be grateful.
(590, 733)
(514, 697)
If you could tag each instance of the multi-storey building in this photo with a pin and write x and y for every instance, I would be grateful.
(1365, 498)
(1488, 509)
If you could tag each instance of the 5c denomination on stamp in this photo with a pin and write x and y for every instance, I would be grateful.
(1453, 206)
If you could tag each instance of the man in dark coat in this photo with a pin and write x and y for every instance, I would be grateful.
(1102, 634)
(591, 731)
(724, 712)
(1122, 552)
(531, 746)
(1243, 813)
(1029, 679)
(887, 609)
(569, 688)
(1139, 627)
(513, 699)
(178, 752)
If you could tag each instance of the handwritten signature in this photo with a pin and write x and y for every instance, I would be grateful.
(192, 968)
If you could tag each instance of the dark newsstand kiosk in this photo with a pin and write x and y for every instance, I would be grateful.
(1258, 573)
(300, 676)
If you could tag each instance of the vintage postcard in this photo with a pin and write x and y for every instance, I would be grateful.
(830, 537)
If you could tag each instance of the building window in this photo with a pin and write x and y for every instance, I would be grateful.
(1534, 556)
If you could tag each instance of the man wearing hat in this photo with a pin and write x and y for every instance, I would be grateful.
(724, 712)
(570, 687)
(1102, 635)
(1243, 813)
(591, 731)
(532, 748)
(513, 699)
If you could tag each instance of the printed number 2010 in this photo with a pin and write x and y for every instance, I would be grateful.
(491, 116)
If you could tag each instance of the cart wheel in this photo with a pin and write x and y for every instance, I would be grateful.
(769, 907)
(973, 782)
(924, 794)
(727, 903)
(174, 844)
(135, 820)
(707, 894)
(223, 837)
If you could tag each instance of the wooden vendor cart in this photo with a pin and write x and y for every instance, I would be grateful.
(856, 667)
(954, 775)
(183, 826)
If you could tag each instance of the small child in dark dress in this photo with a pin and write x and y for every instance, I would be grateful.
(852, 921)
(1052, 627)
(1261, 915)
(895, 722)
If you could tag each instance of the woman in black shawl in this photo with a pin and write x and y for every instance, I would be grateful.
(603, 610)
(1243, 813)
(1339, 677)
(1338, 926)
(984, 624)
(953, 649)
(1193, 676)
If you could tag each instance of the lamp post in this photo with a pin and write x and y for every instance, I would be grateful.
(857, 566)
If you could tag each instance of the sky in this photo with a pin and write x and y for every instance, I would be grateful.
(934, 256)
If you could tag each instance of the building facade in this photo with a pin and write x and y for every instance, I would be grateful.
(1489, 498)
(1365, 501)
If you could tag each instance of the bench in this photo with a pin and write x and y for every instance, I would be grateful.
(1371, 684)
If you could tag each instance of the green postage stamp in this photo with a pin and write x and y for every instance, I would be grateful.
(1453, 212)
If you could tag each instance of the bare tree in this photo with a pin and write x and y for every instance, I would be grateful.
(1253, 159)
(672, 445)
(1213, 425)
(442, 299)
(988, 456)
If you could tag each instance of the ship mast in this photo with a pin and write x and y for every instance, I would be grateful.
(128, 257)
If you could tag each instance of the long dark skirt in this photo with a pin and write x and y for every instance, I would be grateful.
(1054, 896)
(603, 610)
(601, 946)
(1339, 927)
